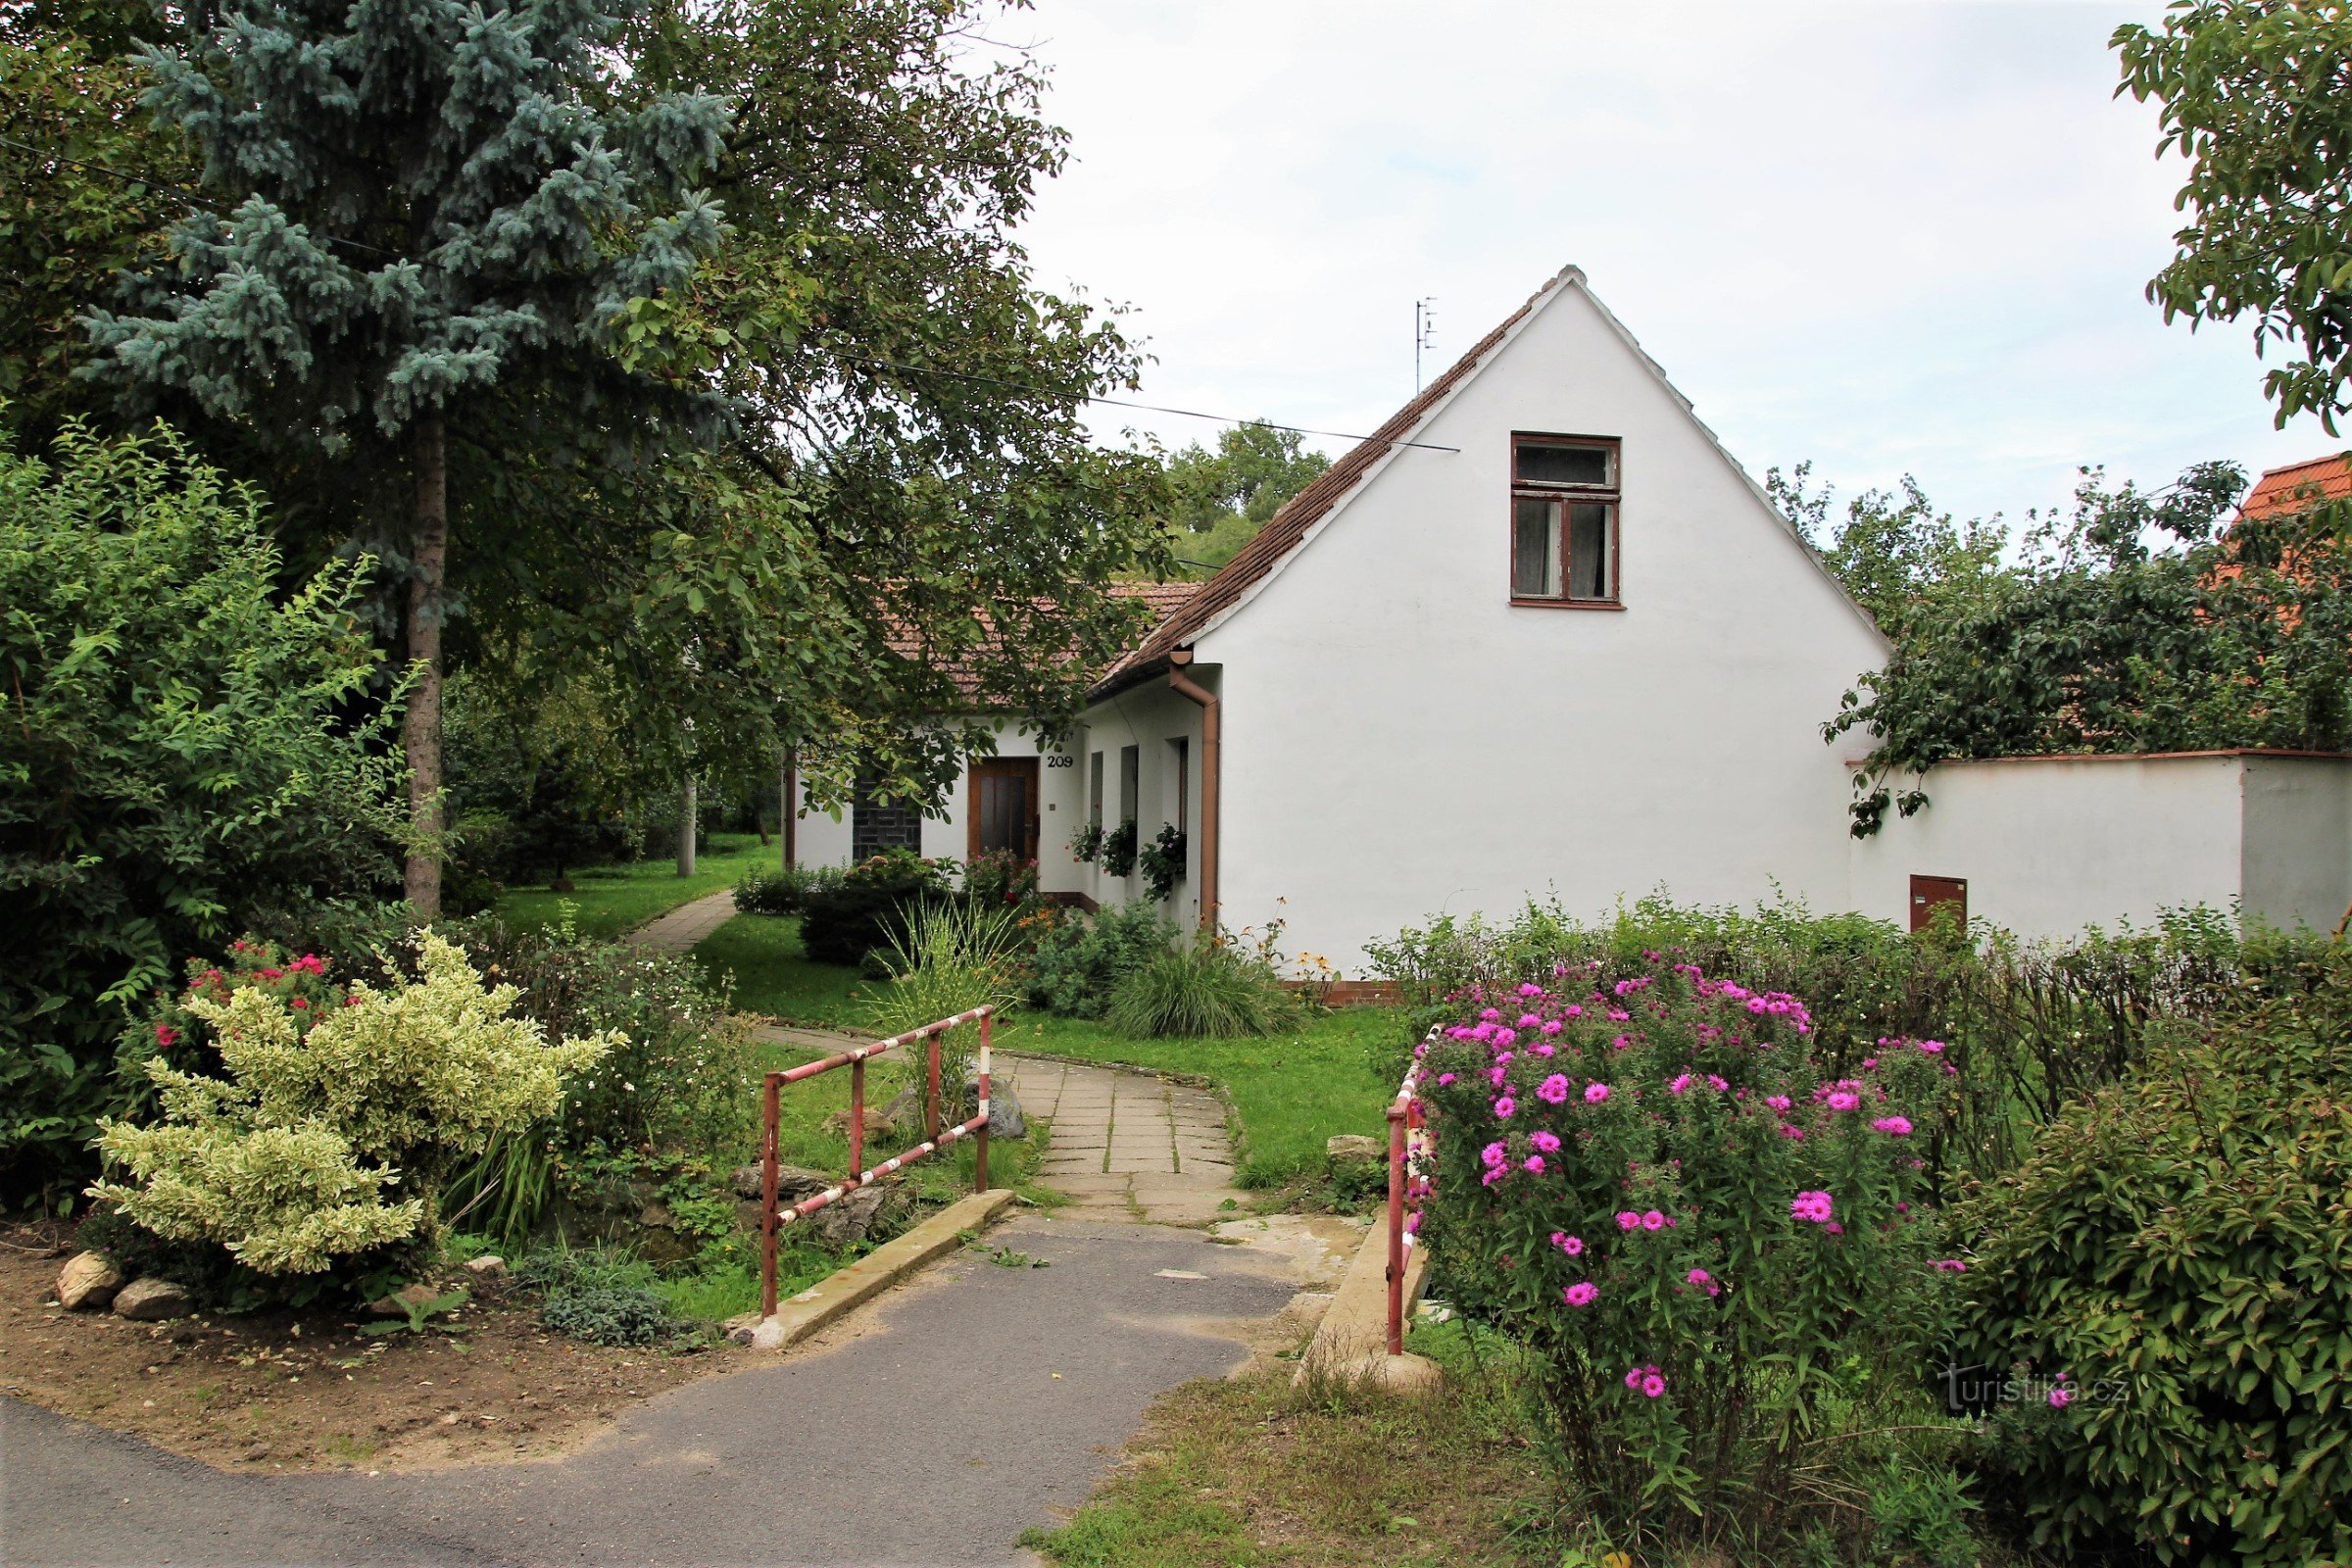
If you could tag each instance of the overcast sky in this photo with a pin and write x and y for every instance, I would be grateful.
(1887, 237)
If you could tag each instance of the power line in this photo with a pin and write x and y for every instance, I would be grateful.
(1126, 403)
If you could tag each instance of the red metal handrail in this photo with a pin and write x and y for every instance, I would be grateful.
(1406, 1127)
(854, 1058)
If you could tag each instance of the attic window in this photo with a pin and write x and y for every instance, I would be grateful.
(1564, 520)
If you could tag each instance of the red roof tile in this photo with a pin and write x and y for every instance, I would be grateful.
(1287, 529)
(1160, 598)
(2289, 489)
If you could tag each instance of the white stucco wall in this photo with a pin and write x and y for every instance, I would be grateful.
(1400, 741)
(2051, 845)
(1146, 717)
(824, 837)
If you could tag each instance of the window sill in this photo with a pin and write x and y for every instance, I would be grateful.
(1567, 604)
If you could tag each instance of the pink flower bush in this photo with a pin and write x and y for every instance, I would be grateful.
(1755, 1203)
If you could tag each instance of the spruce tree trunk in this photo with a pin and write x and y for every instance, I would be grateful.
(420, 726)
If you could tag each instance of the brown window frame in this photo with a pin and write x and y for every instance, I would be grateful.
(1610, 495)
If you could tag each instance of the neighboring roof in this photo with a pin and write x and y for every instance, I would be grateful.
(1287, 529)
(1158, 598)
(2295, 486)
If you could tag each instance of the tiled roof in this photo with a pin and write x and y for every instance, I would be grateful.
(1287, 529)
(1160, 598)
(2291, 488)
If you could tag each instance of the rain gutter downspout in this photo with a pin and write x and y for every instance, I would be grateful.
(1211, 717)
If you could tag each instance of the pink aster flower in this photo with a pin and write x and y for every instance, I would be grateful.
(1554, 1091)
(1680, 1082)
(1528, 988)
(1777, 1101)
(1628, 1221)
(1894, 1126)
(1551, 1026)
(1580, 1294)
(1654, 1221)
(1843, 1099)
(1494, 1155)
(1533, 1165)
(1949, 1265)
(1595, 1093)
(1504, 1106)
(1546, 1142)
(2061, 1397)
(1444, 1079)
(1571, 1245)
(1652, 1386)
(1813, 1208)
(1933, 1047)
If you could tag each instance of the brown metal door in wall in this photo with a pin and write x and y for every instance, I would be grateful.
(1003, 809)
(1932, 893)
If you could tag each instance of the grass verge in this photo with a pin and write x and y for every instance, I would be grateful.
(1253, 1471)
(608, 900)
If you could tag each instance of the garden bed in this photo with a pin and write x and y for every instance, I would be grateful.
(275, 1391)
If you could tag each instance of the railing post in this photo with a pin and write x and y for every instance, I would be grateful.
(1397, 1117)
(769, 1118)
(858, 1117)
(931, 1099)
(980, 1143)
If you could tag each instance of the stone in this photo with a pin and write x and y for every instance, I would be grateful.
(1349, 1148)
(793, 1183)
(876, 1124)
(656, 1217)
(397, 1304)
(768, 1336)
(150, 1300)
(849, 1217)
(488, 1266)
(1004, 1118)
(89, 1280)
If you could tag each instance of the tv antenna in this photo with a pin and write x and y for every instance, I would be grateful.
(1425, 328)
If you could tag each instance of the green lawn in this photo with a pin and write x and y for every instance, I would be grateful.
(611, 898)
(1293, 1090)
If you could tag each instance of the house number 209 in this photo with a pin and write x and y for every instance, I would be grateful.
(1061, 761)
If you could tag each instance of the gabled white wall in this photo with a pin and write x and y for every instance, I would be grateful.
(824, 838)
(1402, 740)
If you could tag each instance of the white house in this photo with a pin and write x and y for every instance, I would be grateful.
(1539, 634)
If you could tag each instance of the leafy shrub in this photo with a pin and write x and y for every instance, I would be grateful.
(783, 890)
(2178, 1249)
(184, 756)
(1208, 991)
(329, 1137)
(1000, 879)
(609, 1314)
(603, 1300)
(676, 1081)
(1710, 1248)
(1079, 962)
(868, 909)
(2031, 1026)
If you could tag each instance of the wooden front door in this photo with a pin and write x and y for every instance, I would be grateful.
(1003, 809)
(1932, 893)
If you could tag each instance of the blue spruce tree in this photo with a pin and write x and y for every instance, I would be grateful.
(424, 215)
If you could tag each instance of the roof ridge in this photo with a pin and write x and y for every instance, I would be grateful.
(1287, 529)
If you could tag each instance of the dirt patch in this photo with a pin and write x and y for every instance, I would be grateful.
(283, 1391)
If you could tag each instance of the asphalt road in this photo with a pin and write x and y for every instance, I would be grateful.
(986, 1398)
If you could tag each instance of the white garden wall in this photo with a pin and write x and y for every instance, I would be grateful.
(2050, 845)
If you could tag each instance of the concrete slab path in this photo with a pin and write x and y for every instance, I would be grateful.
(682, 927)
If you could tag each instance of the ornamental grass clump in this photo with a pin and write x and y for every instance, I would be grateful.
(1720, 1262)
(327, 1138)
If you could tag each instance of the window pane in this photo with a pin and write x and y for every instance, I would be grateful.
(1551, 464)
(1588, 567)
(1534, 548)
